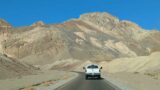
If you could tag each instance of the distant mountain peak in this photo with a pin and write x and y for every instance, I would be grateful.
(4, 25)
(99, 16)
(39, 23)
(106, 21)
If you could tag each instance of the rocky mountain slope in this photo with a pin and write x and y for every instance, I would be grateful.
(94, 36)
(10, 68)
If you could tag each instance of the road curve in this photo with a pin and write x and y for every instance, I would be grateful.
(92, 84)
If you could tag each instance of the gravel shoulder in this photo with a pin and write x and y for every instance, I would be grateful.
(133, 81)
(33, 81)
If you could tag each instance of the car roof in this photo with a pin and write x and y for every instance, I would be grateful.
(91, 65)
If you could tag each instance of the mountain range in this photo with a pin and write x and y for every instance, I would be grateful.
(95, 37)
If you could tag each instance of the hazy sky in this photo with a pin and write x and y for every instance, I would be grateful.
(146, 13)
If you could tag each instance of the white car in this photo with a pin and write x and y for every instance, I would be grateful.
(93, 71)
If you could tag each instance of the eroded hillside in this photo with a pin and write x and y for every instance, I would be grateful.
(94, 36)
(10, 68)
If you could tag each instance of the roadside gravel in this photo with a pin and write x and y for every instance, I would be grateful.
(31, 80)
(133, 81)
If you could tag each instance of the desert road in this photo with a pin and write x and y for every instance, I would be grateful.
(91, 84)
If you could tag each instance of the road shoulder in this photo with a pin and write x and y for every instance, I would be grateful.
(49, 78)
(133, 81)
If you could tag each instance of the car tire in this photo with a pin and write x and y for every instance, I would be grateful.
(86, 77)
(99, 77)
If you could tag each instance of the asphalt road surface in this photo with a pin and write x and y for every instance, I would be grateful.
(91, 84)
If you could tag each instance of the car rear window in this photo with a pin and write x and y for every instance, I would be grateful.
(92, 66)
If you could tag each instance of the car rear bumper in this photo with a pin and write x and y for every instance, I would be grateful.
(93, 75)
